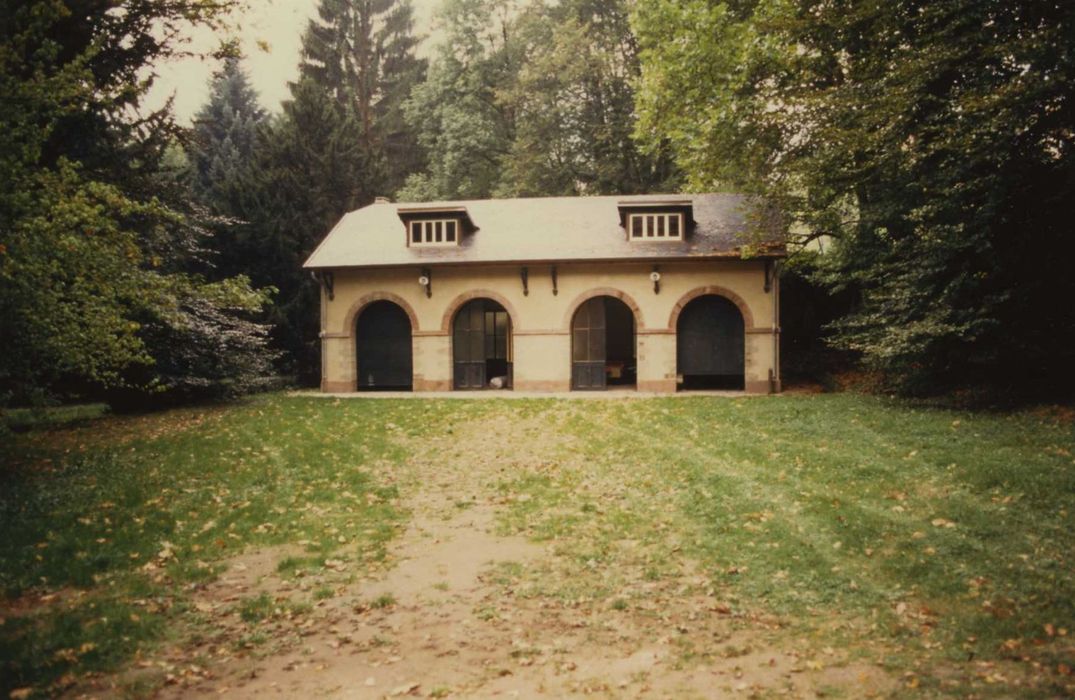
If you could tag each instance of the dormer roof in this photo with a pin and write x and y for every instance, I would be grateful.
(649, 205)
(545, 229)
(412, 212)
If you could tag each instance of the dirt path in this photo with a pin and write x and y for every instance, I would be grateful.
(466, 611)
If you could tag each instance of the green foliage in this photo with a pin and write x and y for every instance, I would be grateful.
(932, 141)
(224, 141)
(531, 100)
(362, 53)
(310, 170)
(206, 344)
(573, 103)
(67, 283)
(98, 240)
(465, 130)
(280, 184)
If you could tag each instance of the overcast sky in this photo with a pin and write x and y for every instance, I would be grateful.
(280, 25)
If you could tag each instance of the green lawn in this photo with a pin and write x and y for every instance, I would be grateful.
(110, 521)
(924, 538)
(937, 542)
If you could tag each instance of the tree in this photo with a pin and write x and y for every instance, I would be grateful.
(400, 72)
(932, 140)
(311, 169)
(573, 101)
(532, 99)
(465, 130)
(339, 142)
(224, 141)
(279, 185)
(362, 52)
(98, 238)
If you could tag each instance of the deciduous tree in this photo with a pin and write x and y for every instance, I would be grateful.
(933, 141)
(98, 238)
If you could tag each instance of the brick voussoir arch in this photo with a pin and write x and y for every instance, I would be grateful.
(457, 303)
(748, 317)
(603, 292)
(363, 302)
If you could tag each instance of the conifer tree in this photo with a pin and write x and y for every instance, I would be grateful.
(103, 282)
(362, 52)
(224, 141)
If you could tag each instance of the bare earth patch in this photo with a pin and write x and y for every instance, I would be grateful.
(460, 608)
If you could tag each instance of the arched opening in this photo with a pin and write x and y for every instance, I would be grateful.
(383, 348)
(603, 345)
(481, 346)
(709, 344)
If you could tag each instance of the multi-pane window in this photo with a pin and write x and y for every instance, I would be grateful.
(434, 232)
(496, 335)
(655, 227)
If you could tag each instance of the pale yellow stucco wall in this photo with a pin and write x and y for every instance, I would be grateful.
(541, 321)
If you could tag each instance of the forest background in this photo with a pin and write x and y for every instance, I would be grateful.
(920, 153)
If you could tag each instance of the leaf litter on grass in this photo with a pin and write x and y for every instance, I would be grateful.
(691, 546)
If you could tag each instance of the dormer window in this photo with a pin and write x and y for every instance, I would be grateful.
(656, 220)
(655, 226)
(434, 226)
(434, 232)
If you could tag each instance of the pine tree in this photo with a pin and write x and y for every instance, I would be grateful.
(224, 141)
(400, 72)
(362, 52)
(311, 168)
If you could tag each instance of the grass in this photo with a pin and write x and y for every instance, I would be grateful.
(940, 535)
(256, 609)
(106, 524)
(22, 419)
(920, 537)
(385, 600)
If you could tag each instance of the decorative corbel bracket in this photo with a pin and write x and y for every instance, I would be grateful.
(770, 273)
(327, 281)
(552, 271)
(524, 273)
(427, 275)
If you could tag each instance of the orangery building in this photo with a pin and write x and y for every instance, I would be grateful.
(653, 293)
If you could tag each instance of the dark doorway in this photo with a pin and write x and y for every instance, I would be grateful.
(383, 348)
(709, 344)
(603, 345)
(481, 346)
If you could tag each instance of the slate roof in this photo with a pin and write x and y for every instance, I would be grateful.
(545, 229)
